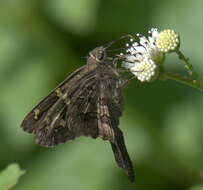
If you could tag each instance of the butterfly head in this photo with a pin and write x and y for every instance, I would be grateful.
(98, 54)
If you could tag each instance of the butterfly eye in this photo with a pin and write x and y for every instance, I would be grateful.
(100, 55)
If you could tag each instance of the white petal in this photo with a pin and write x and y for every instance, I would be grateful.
(135, 44)
(140, 49)
(127, 65)
(143, 41)
(130, 58)
(152, 41)
(155, 32)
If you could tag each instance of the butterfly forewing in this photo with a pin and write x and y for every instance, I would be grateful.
(32, 118)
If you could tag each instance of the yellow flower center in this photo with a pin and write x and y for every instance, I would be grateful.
(167, 41)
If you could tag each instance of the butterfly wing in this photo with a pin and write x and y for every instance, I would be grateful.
(48, 119)
(88, 102)
(109, 109)
(108, 130)
(121, 155)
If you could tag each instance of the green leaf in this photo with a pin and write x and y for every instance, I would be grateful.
(10, 176)
(197, 187)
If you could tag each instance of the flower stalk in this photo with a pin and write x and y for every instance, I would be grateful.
(184, 80)
(187, 65)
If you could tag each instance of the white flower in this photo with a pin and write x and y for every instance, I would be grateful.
(144, 71)
(144, 58)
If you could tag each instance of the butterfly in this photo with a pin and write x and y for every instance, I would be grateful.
(89, 103)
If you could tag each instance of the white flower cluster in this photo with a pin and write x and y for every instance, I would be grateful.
(144, 71)
(143, 58)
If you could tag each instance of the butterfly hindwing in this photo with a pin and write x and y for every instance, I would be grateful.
(110, 106)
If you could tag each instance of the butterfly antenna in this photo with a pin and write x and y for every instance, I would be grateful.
(109, 44)
(117, 49)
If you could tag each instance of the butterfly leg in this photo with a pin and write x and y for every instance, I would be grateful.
(127, 81)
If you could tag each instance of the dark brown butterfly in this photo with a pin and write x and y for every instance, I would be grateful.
(88, 102)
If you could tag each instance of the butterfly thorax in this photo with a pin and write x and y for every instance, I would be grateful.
(97, 60)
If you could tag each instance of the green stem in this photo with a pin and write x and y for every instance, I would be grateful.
(193, 83)
(187, 65)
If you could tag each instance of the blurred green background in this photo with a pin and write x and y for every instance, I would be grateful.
(41, 42)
